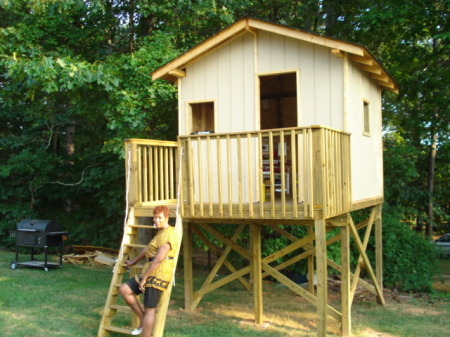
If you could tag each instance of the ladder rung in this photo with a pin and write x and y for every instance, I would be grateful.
(122, 264)
(135, 245)
(141, 226)
(117, 329)
(118, 307)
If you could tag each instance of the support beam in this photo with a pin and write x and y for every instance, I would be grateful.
(187, 266)
(322, 289)
(221, 261)
(379, 247)
(255, 242)
(366, 260)
(311, 270)
(346, 326)
(371, 69)
(338, 53)
(177, 73)
(362, 59)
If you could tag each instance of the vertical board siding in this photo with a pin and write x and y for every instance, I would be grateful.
(321, 76)
(366, 151)
(227, 77)
(322, 85)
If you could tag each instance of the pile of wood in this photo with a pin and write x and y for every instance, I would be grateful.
(94, 256)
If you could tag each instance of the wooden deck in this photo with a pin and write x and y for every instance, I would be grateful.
(280, 174)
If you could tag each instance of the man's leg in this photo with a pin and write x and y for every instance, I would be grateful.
(132, 301)
(148, 322)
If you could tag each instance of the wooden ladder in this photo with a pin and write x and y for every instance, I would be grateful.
(129, 249)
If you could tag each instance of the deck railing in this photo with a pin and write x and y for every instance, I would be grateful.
(151, 167)
(291, 173)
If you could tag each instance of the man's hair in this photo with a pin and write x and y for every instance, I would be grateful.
(161, 209)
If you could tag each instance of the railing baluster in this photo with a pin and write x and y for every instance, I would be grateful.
(172, 170)
(191, 176)
(311, 176)
(210, 181)
(294, 176)
(229, 175)
(262, 186)
(200, 175)
(166, 172)
(239, 169)
(219, 174)
(139, 173)
(282, 174)
(272, 178)
(250, 175)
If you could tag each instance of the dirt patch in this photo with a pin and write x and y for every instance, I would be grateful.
(372, 333)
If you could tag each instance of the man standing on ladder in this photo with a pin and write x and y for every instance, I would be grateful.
(156, 275)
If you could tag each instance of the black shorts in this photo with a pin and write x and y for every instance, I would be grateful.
(151, 295)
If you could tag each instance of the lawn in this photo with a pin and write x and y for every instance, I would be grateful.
(68, 302)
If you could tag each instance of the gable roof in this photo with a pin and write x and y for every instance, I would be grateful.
(357, 53)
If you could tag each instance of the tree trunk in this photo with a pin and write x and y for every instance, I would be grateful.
(430, 183)
(69, 145)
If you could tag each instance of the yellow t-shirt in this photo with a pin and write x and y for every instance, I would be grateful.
(161, 277)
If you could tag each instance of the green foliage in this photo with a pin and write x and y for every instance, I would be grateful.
(86, 66)
(409, 260)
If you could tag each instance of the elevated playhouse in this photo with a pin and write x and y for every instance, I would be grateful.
(278, 127)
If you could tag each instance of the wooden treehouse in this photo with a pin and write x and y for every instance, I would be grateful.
(278, 127)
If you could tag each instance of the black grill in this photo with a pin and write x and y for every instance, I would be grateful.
(38, 234)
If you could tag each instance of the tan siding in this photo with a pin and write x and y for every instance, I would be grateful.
(337, 92)
(321, 81)
(366, 151)
(322, 87)
(307, 85)
(225, 76)
(224, 85)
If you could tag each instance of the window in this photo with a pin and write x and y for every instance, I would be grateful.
(202, 117)
(366, 119)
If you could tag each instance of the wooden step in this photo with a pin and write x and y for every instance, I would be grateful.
(142, 226)
(119, 330)
(134, 245)
(122, 308)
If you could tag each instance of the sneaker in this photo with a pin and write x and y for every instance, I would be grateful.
(137, 331)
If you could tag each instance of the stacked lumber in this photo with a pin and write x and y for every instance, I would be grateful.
(95, 258)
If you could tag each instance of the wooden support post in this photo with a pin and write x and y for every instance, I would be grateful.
(379, 248)
(187, 266)
(311, 270)
(321, 261)
(345, 282)
(255, 242)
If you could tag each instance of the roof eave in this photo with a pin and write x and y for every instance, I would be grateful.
(359, 53)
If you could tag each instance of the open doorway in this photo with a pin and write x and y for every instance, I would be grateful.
(278, 105)
(278, 109)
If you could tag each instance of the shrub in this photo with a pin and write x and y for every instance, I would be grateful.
(409, 260)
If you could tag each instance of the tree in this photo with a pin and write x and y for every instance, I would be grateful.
(77, 73)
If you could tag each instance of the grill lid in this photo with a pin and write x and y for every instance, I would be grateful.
(30, 225)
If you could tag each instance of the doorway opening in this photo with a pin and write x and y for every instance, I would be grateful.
(278, 95)
(278, 109)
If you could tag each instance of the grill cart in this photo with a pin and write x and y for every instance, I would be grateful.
(38, 234)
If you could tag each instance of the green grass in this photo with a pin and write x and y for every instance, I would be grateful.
(69, 302)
